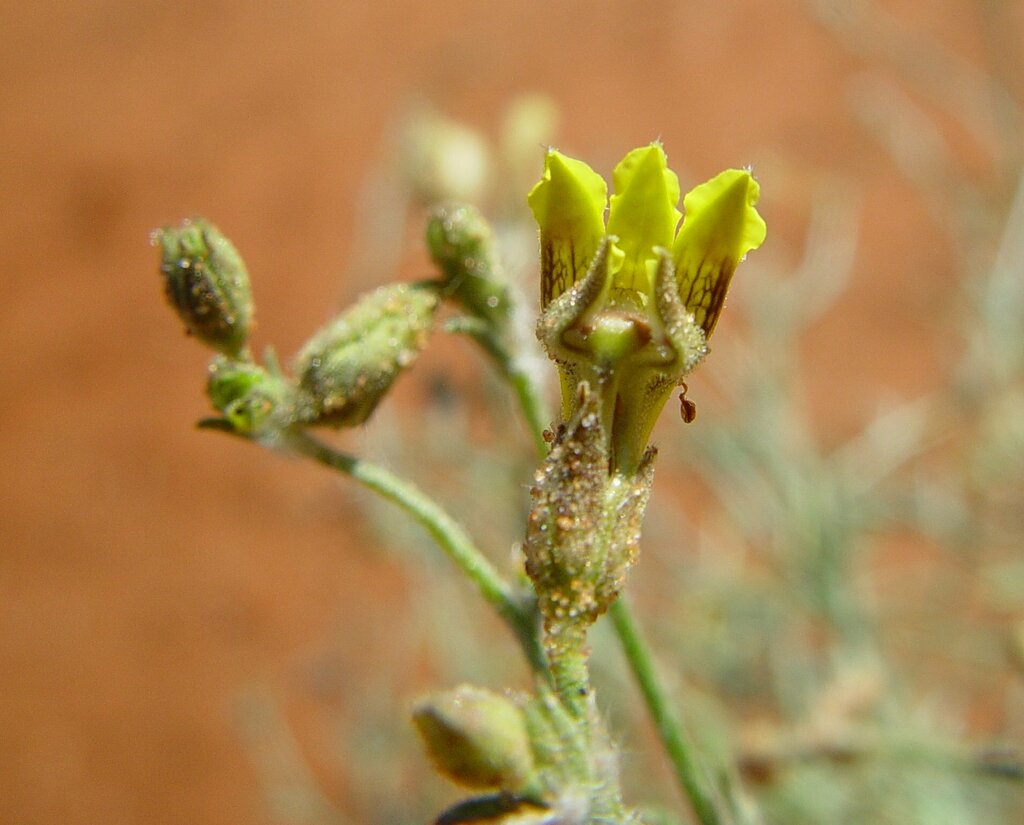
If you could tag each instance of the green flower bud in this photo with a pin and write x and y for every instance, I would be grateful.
(476, 738)
(207, 283)
(252, 400)
(461, 244)
(347, 367)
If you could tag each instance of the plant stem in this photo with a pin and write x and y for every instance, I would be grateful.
(444, 529)
(570, 674)
(689, 771)
(530, 400)
(532, 404)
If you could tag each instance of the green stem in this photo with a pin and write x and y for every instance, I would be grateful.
(530, 401)
(444, 529)
(532, 404)
(567, 654)
(690, 773)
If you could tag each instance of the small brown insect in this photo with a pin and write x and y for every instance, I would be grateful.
(687, 409)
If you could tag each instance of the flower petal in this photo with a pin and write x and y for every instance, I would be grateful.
(643, 213)
(721, 226)
(568, 204)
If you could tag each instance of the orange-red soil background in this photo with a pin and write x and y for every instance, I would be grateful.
(150, 574)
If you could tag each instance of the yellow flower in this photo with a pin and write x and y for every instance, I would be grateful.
(569, 204)
(720, 227)
(628, 306)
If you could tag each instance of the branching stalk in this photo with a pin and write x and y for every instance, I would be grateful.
(531, 402)
(444, 529)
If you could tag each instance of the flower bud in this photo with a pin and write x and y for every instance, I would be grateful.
(476, 738)
(252, 401)
(347, 367)
(529, 121)
(442, 158)
(207, 283)
(462, 246)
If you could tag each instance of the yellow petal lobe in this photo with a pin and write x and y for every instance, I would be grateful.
(721, 226)
(568, 204)
(643, 213)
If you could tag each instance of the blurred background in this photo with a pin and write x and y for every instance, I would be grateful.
(195, 630)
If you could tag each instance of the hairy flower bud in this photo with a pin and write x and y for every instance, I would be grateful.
(476, 737)
(347, 367)
(252, 401)
(462, 246)
(207, 283)
(442, 158)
